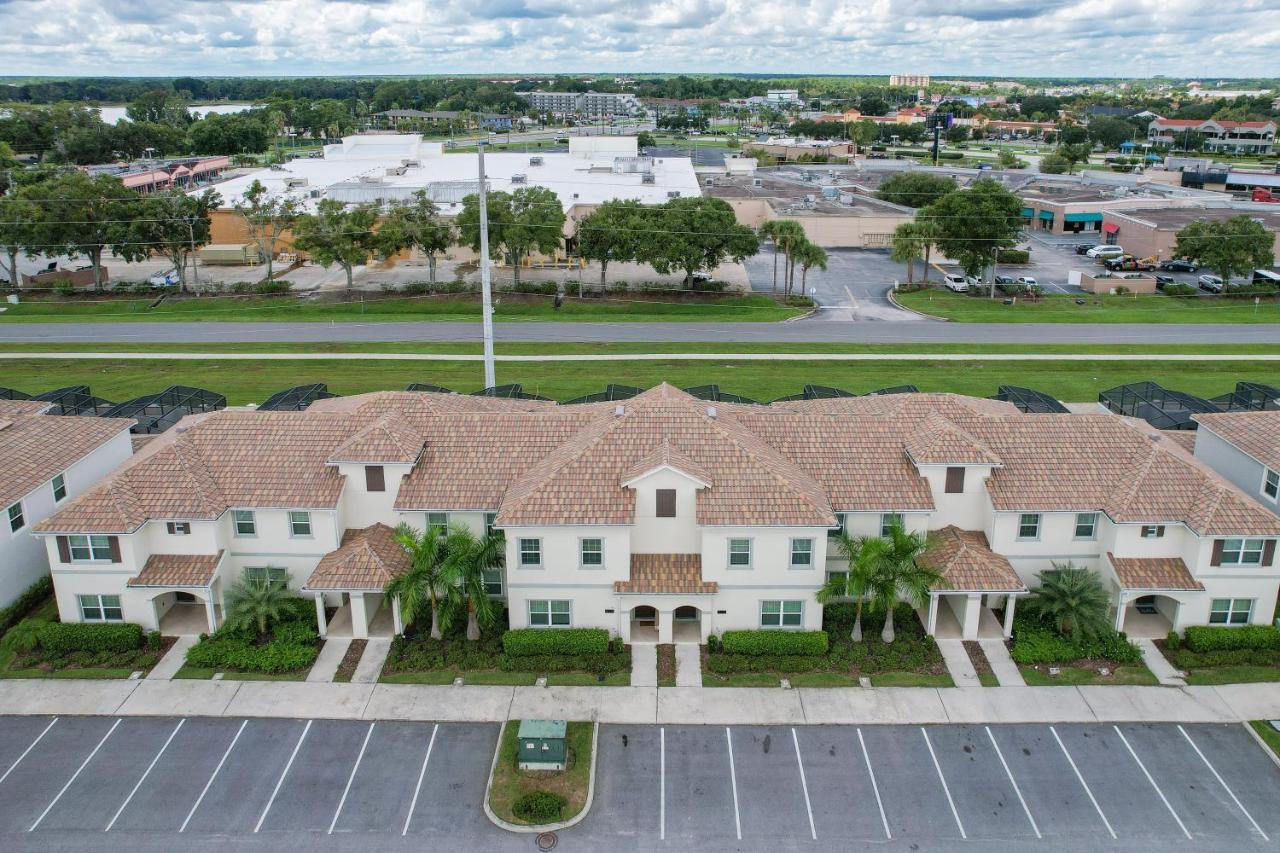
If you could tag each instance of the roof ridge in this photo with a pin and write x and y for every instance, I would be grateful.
(777, 459)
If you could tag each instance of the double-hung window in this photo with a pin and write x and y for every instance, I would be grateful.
(888, 521)
(781, 614)
(1230, 611)
(1086, 525)
(1271, 484)
(59, 485)
(438, 519)
(550, 614)
(100, 608)
(269, 574)
(591, 553)
(739, 553)
(493, 582)
(86, 549)
(801, 553)
(246, 523)
(299, 524)
(530, 553)
(17, 520)
(1029, 525)
(178, 528)
(1242, 552)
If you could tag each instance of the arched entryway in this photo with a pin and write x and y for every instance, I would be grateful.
(644, 624)
(185, 612)
(686, 624)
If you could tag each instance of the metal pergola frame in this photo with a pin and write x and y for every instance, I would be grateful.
(609, 394)
(1161, 407)
(296, 399)
(893, 389)
(74, 400)
(427, 388)
(1030, 400)
(157, 412)
(713, 394)
(1250, 397)
(513, 391)
(816, 392)
(13, 394)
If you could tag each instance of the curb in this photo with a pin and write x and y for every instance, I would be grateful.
(545, 827)
(1262, 744)
(896, 304)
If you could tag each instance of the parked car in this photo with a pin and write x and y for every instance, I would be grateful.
(955, 283)
(1027, 281)
(1162, 280)
(1104, 252)
(1127, 262)
(1004, 279)
(1211, 283)
(1178, 265)
(973, 281)
(1082, 248)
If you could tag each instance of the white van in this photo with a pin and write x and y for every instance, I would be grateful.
(1105, 252)
(955, 283)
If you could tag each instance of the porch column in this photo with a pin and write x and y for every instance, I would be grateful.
(664, 626)
(210, 610)
(1009, 603)
(321, 625)
(972, 616)
(397, 623)
(359, 616)
(932, 625)
(1120, 610)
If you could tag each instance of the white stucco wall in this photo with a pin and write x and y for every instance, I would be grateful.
(1237, 466)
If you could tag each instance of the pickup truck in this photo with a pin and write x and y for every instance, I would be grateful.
(1128, 262)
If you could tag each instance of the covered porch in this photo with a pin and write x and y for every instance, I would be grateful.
(665, 600)
(1149, 594)
(352, 579)
(976, 582)
(185, 594)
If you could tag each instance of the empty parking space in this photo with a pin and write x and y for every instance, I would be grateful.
(700, 796)
(453, 787)
(382, 788)
(19, 734)
(772, 795)
(1054, 795)
(1245, 769)
(242, 786)
(985, 793)
(309, 794)
(841, 786)
(915, 800)
(35, 782)
(629, 782)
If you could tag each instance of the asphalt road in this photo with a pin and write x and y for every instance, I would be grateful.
(156, 784)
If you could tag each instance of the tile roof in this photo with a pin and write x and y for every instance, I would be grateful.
(178, 570)
(1255, 433)
(666, 574)
(664, 457)
(367, 559)
(11, 408)
(937, 441)
(967, 563)
(393, 440)
(34, 448)
(1153, 573)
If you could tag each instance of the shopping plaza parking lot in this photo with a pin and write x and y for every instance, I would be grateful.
(158, 784)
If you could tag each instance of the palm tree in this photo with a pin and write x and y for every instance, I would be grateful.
(469, 557)
(766, 232)
(810, 255)
(862, 552)
(897, 577)
(788, 235)
(1073, 600)
(425, 583)
(927, 232)
(907, 248)
(256, 602)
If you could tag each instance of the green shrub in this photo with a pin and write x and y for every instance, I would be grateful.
(539, 807)
(1036, 643)
(949, 155)
(59, 639)
(1013, 256)
(29, 599)
(274, 287)
(237, 653)
(1186, 659)
(602, 664)
(295, 633)
(1210, 638)
(713, 644)
(1172, 641)
(568, 641)
(775, 642)
(1177, 288)
(23, 637)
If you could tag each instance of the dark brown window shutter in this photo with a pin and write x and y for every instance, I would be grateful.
(113, 545)
(1269, 553)
(374, 479)
(955, 481)
(1216, 559)
(64, 549)
(666, 503)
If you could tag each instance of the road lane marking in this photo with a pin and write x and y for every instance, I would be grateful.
(662, 784)
(417, 789)
(943, 779)
(1150, 779)
(144, 776)
(1013, 782)
(1223, 783)
(216, 771)
(733, 777)
(875, 786)
(280, 782)
(39, 738)
(804, 784)
(351, 778)
(74, 776)
(1083, 783)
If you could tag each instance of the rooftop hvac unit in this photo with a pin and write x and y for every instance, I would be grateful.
(370, 179)
(535, 161)
(412, 164)
(396, 170)
(291, 183)
(757, 182)
(316, 193)
(519, 178)
(647, 178)
(711, 182)
(673, 193)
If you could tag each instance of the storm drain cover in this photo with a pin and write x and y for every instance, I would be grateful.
(547, 840)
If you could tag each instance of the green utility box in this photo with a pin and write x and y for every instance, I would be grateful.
(541, 745)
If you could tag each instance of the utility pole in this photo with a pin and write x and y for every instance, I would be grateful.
(486, 286)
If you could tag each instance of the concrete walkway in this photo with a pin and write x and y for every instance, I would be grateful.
(644, 665)
(958, 663)
(1002, 665)
(328, 661)
(372, 661)
(167, 667)
(688, 665)
(1168, 675)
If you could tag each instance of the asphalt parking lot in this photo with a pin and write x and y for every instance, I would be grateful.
(154, 784)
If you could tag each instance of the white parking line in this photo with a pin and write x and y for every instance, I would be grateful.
(144, 776)
(1223, 783)
(74, 776)
(280, 782)
(1013, 782)
(804, 785)
(417, 789)
(216, 771)
(943, 779)
(351, 778)
(1145, 772)
(875, 787)
(662, 784)
(39, 738)
(1083, 783)
(733, 777)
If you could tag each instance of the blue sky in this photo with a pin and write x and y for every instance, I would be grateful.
(1187, 38)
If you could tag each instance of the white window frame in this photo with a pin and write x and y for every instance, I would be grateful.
(1246, 547)
(500, 582)
(241, 516)
(1227, 615)
(729, 553)
(99, 603)
(782, 613)
(59, 484)
(177, 528)
(273, 575)
(1271, 484)
(887, 519)
(550, 613)
(520, 552)
(294, 523)
(1157, 531)
(1022, 517)
(16, 516)
(444, 524)
(582, 553)
(89, 548)
(1093, 526)
(810, 553)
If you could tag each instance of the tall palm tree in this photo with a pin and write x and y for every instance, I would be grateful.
(897, 577)
(1073, 600)
(469, 557)
(766, 232)
(421, 588)
(810, 255)
(788, 235)
(862, 553)
(906, 247)
(255, 602)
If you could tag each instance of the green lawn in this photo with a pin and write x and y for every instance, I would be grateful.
(740, 679)
(1269, 735)
(205, 673)
(1233, 675)
(1136, 674)
(910, 679)
(432, 677)
(48, 612)
(988, 679)
(511, 308)
(1062, 308)
(823, 679)
(510, 783)
(586, 679)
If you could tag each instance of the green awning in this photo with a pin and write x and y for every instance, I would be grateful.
(1046, 214)
(1083, 217)
(1027, 212)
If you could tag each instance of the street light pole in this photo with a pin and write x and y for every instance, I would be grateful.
(486, 285)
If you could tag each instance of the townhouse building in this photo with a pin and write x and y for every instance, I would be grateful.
(1244, 447)
(664, 516)
(1219, 136)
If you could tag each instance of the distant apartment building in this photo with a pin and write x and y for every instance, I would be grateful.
(589, 104)
(782, 96)
(916, 80)
(1226, 137)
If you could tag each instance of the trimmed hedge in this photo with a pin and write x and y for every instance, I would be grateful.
(1187, 659)
(525, 642)
(1013, 256)
(59, 639)
(774, 642)
(539, 807)
(236, 653)
(1210, 638)
(29, 599)
(1034, 643)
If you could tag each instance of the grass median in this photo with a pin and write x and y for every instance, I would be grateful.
(1062, 308)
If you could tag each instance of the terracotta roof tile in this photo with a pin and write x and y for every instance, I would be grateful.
(11, 408)
(1255, 433)
(666, 574)
(664, 457)
(178, 570)
(367, 559)
(967, 563)
(1154, 573)
(394, 439)
(35, 448)
(938, 441)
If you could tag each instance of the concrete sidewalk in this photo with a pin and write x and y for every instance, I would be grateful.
(958, 664)
(674, 705)
(167, 667)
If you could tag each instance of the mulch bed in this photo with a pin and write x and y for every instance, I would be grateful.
(350, 660)
(977, 657)
(667, 663)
